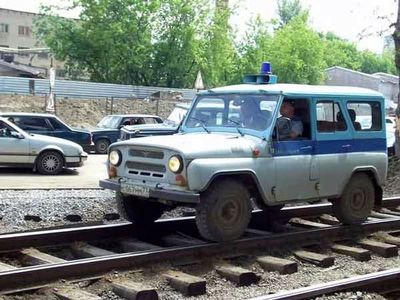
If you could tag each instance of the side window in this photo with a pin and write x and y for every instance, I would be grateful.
(150, 121)
(34, 124)
(57, 125)
(330, 117)
(5, 130)
(365, 116)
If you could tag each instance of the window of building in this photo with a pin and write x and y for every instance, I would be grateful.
(365, 116)
(24, 30)
(4, 27)
(330, 117)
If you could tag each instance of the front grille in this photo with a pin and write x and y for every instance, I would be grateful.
(146, 154)
(146, 167)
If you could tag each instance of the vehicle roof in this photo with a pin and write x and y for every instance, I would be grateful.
(15, 114)
(136, 116)
(299, 89)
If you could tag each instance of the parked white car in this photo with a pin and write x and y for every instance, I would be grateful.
(45, 154)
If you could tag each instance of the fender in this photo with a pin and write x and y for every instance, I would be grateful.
(48, 148)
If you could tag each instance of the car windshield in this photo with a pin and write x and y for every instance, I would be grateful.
(243, 111)
(109, 122)
(176, 116)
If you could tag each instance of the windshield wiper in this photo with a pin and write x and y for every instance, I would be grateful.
(202, 122)
(237, 127)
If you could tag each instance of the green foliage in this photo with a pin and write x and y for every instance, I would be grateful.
(166, 42)
(289, 10)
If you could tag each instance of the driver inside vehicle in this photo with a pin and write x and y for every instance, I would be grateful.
(295, 128)
(252, 116)
(4, 130)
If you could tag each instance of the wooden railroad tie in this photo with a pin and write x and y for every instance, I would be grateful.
(320, 260)
(74, 294)
(132, 245)
(382, 249)
(134, 291)
(357, 253)
(6, 267)
(188, 285)
(84, 250)
(238, 275)
(390, 239)
(32, 256)
(307, 223)
(328, 219)
(281, 265)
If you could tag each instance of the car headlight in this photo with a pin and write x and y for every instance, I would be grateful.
(115, 157)
(175, 164)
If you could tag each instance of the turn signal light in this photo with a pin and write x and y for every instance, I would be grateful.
(180, 180)
(112, 171)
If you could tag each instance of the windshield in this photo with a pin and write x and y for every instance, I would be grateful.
(251, 111)
(109, 122)
(176, 116)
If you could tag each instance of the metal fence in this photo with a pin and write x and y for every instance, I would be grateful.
(82, 89)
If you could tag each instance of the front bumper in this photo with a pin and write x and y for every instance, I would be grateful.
(157, 193)
(76, 161)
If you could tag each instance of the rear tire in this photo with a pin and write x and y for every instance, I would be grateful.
(357, 200)
(224, 211)
(101, 146)
(50, 163)
(138, 211)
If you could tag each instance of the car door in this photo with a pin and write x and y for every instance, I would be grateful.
(295, 175)
(334, 144)
(60, 130)
(36, 125)
(13, 150)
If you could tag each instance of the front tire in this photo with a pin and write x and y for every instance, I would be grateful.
(50, 163)
(101, 146)
(224, 211)
(138, 211)
(357, 200)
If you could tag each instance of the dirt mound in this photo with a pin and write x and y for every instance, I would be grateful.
(85, 113)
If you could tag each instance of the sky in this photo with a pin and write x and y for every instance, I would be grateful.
(364, 22)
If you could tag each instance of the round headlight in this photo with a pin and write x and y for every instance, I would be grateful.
(115, 157)
(175, 164)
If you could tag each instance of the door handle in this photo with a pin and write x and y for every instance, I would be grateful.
(306, 148)
(346, 146)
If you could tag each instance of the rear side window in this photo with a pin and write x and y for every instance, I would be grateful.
(33, 123)
(365, 116)
(330, 117)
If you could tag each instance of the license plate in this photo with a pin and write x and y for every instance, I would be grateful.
(136, 190)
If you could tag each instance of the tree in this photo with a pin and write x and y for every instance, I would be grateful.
(290, 9)
(297, 54)
(396, 38)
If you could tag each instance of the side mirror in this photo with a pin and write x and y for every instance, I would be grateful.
(17, 135)
(283, 127)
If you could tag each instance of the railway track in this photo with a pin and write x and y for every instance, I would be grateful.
(35, 259)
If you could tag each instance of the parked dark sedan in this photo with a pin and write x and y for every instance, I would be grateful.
(107, 131)
(168, 127)
(51, 125)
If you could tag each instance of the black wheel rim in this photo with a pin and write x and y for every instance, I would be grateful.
(102, 146)
(229, 213)
(358, 200)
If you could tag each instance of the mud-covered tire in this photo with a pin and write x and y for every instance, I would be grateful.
(224, 211)
(50, 163)
(138, 211)
(101, 146)
(357, 200)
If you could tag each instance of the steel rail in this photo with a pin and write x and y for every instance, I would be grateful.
(51, 237)
(373, 282)
(14, 280)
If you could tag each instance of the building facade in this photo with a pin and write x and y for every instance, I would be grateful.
(386, 84)
(16, 31)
